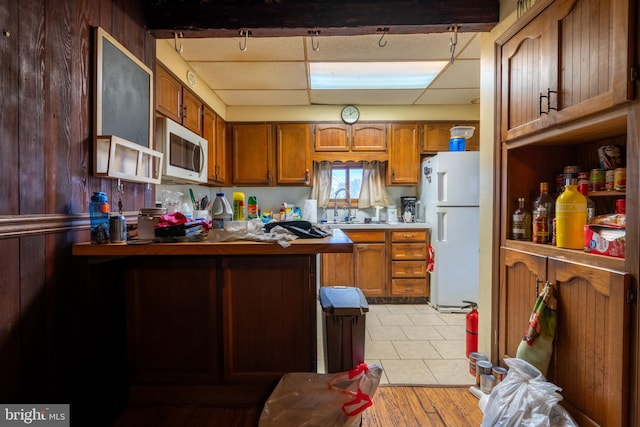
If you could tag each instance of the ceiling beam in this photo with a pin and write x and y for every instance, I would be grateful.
(276, 18)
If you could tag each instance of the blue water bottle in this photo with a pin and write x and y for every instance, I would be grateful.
(99, 212)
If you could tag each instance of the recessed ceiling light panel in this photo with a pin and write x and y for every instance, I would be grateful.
(374, 75)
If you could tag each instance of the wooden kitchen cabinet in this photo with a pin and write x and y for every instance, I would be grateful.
(173, 325)
(409, 257)
(523, 274)
(369, 137)
(331, 137)
(253, 152)
(260, 320)
(178, 102)
(593, 308)
(436, 136)
(214, 131)
(404, 154)
(564, 63)
(293, 154)
(366, 268)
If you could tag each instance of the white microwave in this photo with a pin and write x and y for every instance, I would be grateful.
(185, 153)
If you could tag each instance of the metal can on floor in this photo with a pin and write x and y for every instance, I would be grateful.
(474, 356)
(499, 372)
(483, 367)
(487, 382)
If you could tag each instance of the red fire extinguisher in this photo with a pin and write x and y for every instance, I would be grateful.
(472, 327)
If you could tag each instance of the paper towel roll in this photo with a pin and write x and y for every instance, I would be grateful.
(310, 211)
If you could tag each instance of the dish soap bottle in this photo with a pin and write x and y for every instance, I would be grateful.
(252, 207)
(571, 217)
(221, 212)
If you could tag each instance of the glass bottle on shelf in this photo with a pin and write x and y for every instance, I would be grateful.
(543, 207)
(521, 222)
(591, 205)
(571, 217)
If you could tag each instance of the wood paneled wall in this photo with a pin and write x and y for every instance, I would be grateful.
(53, 324)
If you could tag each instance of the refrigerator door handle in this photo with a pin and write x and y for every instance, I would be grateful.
(442, 227)
(442, 186)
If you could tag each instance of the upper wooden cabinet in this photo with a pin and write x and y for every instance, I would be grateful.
(567, 62)
(436, 136)
(331, 137)
(356, 137)
(293, 154)
(214, 131)
(404, 154)
(369, 137)
(177, 102)
(252, 151)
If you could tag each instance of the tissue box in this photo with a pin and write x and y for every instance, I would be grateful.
(604, 240)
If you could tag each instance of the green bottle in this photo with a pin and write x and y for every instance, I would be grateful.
(252, 207)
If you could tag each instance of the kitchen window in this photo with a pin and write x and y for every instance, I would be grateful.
(347, 176)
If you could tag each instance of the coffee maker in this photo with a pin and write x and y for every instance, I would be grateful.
(408, 208)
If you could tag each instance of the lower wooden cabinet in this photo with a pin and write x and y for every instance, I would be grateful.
(589, 360)
(218, 329)
(385, 264)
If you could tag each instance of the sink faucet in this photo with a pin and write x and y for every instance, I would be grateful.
(335, 203)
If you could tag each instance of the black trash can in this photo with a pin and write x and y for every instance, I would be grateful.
(343, 327)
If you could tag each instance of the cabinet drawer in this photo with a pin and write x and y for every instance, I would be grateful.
(409, 236)
(409, 268)
(408, 251)
(365, 236)
(409, 287)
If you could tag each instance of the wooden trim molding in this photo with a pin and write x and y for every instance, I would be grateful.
(29, 225)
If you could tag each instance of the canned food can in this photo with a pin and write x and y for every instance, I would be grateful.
(621, 206)
(482, 367)
(609, 179)
(499, 372)
(609, 156)
(118, 229)
(596, 179)
(620, 179)
(474, 356)
(487, 382)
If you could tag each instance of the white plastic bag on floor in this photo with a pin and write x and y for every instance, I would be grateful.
(525, 398)
(321, 400)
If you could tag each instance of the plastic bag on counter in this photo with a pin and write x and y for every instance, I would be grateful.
(251, 230)
(321, 400)
(525, 398)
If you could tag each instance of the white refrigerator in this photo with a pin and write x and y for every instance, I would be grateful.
(449, 193)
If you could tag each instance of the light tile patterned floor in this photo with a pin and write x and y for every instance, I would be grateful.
(415, 344)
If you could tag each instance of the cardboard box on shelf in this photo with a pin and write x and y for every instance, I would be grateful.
(604, 240)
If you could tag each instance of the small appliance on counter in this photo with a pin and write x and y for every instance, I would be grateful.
(408, 208)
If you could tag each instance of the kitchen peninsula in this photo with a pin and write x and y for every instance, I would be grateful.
(215, 322)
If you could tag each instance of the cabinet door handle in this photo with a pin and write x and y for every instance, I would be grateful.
(549, 107)
(540, 112)
(307, 176)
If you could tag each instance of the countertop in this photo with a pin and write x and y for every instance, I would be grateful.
(375, 226)
(337, 243)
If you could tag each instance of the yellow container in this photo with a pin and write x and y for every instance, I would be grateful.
(571, 217)
(238, 206)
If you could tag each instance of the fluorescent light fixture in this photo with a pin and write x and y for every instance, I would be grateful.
(374, 75)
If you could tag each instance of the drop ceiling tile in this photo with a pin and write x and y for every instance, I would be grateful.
(263, 97)
(252, 75)
(449, 96)
(463, 73)
(258, 49)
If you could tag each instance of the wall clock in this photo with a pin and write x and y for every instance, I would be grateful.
(350, 114)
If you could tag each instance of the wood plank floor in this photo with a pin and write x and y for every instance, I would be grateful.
(392, 406)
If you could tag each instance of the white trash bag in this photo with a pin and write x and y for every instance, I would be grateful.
(525, 398)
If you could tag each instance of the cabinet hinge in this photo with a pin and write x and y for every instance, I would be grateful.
(634, 74)
(631, 296)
